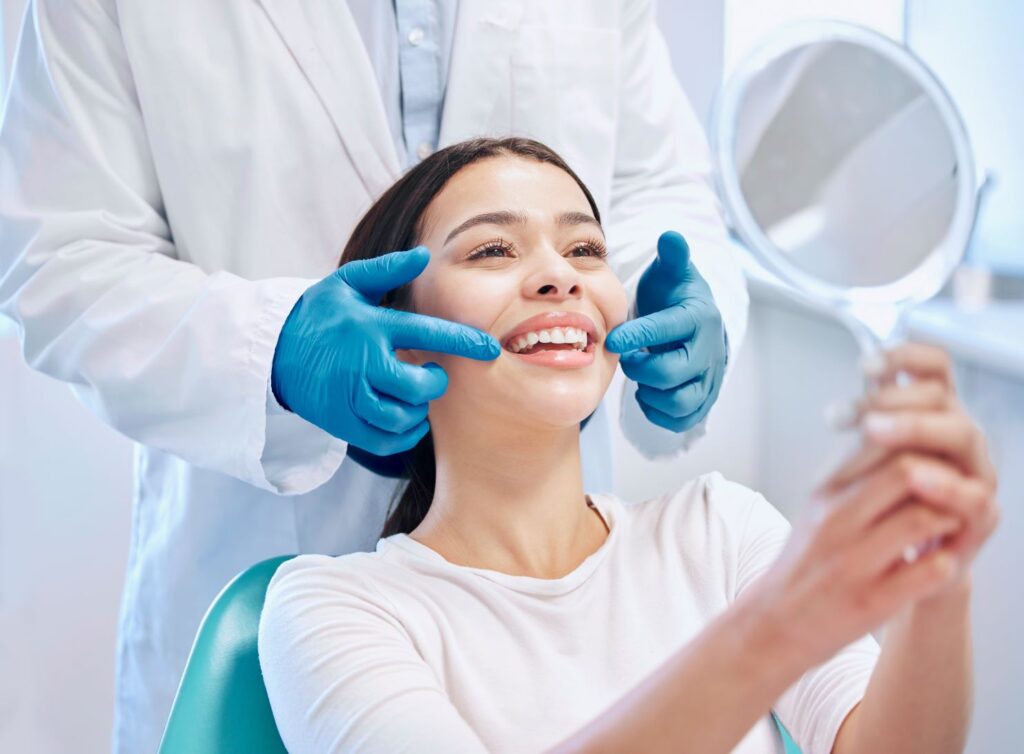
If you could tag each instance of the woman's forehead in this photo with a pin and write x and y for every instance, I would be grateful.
(531, 190)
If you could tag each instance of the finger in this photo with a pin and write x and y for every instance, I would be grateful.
(948, 433)
(927, 395)
(701, 413)
(375, 277)
(669, 325)
(386, 413)
(921, 360)
(965, 546)
(425, 333)
(867, 457)
(410, 383)
(852, 508)
(671, 423)
(912, 525)
(907, 583)
(679, 401)
(383, 443)
(947, 489)
(936, 483)
(672, 265)
(662, 370)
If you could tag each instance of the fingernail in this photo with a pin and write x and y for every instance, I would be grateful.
(925, 479)
(873, 364)
(879, 424)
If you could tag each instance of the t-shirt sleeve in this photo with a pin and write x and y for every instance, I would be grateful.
(815, 706)
(343, 675)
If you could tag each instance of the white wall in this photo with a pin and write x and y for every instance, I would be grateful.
(64, 515)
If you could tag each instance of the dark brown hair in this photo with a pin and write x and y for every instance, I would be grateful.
(395, 223)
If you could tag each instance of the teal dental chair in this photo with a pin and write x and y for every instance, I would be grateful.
(222, 705)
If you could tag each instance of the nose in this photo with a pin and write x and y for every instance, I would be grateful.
(553, 278)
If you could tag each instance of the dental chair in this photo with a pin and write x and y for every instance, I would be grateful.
(222, 705)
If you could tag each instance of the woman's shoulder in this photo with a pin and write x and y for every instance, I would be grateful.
(311, 578)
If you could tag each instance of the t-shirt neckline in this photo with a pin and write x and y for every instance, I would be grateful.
(408, 549)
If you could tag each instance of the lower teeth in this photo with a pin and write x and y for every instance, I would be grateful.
(552, 347)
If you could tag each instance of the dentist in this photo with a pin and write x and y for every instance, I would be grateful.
(176, 182)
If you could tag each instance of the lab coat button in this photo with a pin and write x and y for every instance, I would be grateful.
(415, 36)
(424, 150)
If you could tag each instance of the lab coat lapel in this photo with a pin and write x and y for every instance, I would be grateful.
(325, 42)
(477, 95)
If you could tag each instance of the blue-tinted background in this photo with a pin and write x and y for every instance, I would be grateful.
(976, 49)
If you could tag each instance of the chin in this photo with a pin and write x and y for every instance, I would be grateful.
(556, 407)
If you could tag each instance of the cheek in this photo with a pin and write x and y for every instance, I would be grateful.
(611, 300)
(470, 299)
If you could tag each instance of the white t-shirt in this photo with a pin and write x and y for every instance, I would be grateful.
(399, 650)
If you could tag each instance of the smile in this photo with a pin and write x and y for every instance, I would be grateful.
(558, 339)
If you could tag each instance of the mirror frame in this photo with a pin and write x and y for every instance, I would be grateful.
(927, 278)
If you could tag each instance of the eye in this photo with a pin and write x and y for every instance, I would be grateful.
(590, 248)
(496, 249)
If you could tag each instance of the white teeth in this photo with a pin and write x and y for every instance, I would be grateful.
(574, 335)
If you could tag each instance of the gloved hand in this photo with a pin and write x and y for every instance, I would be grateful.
(680, 375)
(334, 363)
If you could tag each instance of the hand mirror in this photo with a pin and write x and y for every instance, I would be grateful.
(845, 167)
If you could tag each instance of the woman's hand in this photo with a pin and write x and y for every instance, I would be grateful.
(951, 462)
(922, 474)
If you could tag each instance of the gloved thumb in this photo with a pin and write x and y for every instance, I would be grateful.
(375, 277)
(673, 263)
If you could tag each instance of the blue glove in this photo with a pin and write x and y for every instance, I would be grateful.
(681, 373)
(335, 366)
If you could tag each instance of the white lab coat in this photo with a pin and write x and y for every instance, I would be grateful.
(174, 175)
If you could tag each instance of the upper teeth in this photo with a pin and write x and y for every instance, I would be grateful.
(573, 335)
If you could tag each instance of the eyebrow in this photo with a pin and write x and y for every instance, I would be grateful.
(506, 217)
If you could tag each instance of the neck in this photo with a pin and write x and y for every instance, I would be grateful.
(510, 501)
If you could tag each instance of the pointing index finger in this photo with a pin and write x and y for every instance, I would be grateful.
(660, 328)
(425, 333)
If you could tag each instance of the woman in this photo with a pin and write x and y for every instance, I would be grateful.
(504, 610)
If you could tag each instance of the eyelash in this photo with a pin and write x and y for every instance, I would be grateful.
(594, 245)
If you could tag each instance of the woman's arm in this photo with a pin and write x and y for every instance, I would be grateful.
(919, 697)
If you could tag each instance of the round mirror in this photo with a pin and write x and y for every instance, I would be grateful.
(845, 167)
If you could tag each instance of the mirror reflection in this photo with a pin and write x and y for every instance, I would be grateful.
(846, 163)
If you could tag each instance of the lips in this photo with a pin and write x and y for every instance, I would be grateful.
(549, 320)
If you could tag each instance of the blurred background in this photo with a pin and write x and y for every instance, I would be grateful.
(66, 479)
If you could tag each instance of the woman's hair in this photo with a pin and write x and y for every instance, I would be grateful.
(395, 223)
